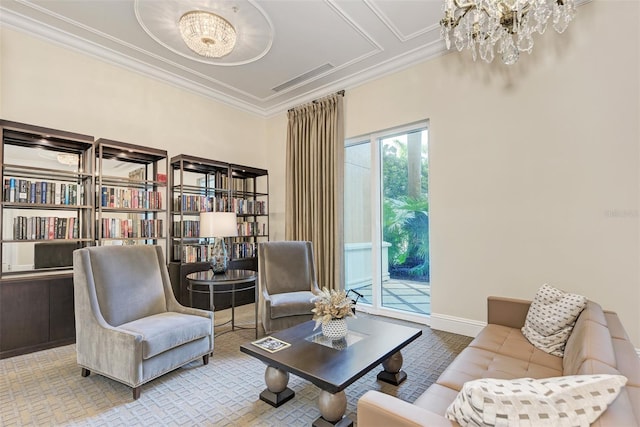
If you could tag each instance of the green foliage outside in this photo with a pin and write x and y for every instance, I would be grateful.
(406, 220)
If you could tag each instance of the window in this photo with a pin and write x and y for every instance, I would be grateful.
(386, 221)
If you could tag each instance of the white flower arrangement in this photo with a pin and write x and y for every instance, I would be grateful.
(331, 304)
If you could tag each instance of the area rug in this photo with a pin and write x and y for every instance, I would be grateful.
(45, 388)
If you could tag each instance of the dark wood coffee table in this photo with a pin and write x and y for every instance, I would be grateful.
(314, 358)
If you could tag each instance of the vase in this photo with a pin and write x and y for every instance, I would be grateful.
(335, 328)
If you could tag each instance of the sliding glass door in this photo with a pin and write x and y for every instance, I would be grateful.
(387, 222)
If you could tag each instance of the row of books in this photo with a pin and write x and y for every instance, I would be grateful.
(252, 228)
(130, 198)
(196, 203)
(193, 253)
(116, 228)
(190, 228)
(202, 253)
(249, 206)
(45, 228)
(244, 250)
(238, 184)
(24, 191)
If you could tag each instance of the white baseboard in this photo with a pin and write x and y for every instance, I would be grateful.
(456, 325)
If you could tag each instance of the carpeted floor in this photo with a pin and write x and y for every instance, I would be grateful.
(45, 388)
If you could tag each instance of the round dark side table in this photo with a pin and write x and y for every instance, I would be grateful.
(225, 283)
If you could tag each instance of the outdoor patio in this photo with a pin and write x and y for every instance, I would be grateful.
(401, 294)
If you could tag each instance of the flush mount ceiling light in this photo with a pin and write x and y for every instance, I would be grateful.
(207, 34)
(160, 19)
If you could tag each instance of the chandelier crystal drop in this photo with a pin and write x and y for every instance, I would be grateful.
(505, 26)
(207, 34)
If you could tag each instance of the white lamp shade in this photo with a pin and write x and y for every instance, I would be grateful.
(218, 224)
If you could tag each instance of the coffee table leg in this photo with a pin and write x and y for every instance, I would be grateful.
(393, 373)
(332, 408)
(277, 392)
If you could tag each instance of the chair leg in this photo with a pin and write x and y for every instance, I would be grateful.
(205, 359)
(136, 393)
(85, 372)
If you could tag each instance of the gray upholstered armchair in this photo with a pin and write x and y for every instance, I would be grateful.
(287, 277)
(129, 326)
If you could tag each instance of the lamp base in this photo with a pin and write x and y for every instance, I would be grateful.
(218, 258)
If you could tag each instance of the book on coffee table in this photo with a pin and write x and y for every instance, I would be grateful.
(270, 344)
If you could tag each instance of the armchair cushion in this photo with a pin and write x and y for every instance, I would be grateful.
(287, 267)
(164, 331)
(291, 304)
(127, 292)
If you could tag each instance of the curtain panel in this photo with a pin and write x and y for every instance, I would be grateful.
(314, 184)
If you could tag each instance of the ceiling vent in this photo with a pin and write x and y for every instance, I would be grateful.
(302, 77)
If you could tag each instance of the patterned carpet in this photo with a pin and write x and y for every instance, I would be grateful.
(45, 388)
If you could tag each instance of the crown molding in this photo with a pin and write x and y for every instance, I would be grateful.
(59, 37)
(22, 24)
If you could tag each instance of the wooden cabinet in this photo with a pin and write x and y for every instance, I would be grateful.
(36, 313)
(46, 212)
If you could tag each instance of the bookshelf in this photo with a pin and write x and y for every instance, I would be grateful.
(249, 199)
(204, 185)
(46, 212)
(131, 194)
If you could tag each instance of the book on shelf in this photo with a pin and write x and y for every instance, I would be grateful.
(42, 192)
(127, 198)
(271, 344)
(117, 228)
(45, 228)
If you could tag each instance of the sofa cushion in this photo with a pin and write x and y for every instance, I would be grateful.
(551, 317)
(510, 342)
(436, 398)
(473, 363)
(291, 304)
(164, 331)
(589, 340)
(560, 401)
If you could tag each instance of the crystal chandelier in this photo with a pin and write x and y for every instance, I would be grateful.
(481, 24)
(207, 34)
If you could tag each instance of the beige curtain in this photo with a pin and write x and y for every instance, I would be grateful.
(315, 171)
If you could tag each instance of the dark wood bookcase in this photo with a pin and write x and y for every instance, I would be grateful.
(197, 185)
(46, 212)
(131, 194)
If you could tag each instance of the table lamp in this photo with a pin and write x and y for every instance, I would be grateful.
(218, 225)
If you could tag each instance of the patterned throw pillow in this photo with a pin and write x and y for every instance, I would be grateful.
(576, 400)
(551, 318)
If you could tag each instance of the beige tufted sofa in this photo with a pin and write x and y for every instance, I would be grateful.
(598, 344)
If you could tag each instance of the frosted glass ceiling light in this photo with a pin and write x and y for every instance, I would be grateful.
(207, 34)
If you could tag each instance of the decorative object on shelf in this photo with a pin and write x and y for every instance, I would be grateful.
(481, 24)
(207, 34)
(331, 309)
(218, 225)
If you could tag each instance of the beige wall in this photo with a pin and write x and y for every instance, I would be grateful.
(47, 85)
(533, 168)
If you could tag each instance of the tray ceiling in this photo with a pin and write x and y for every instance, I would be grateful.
(292, 51)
